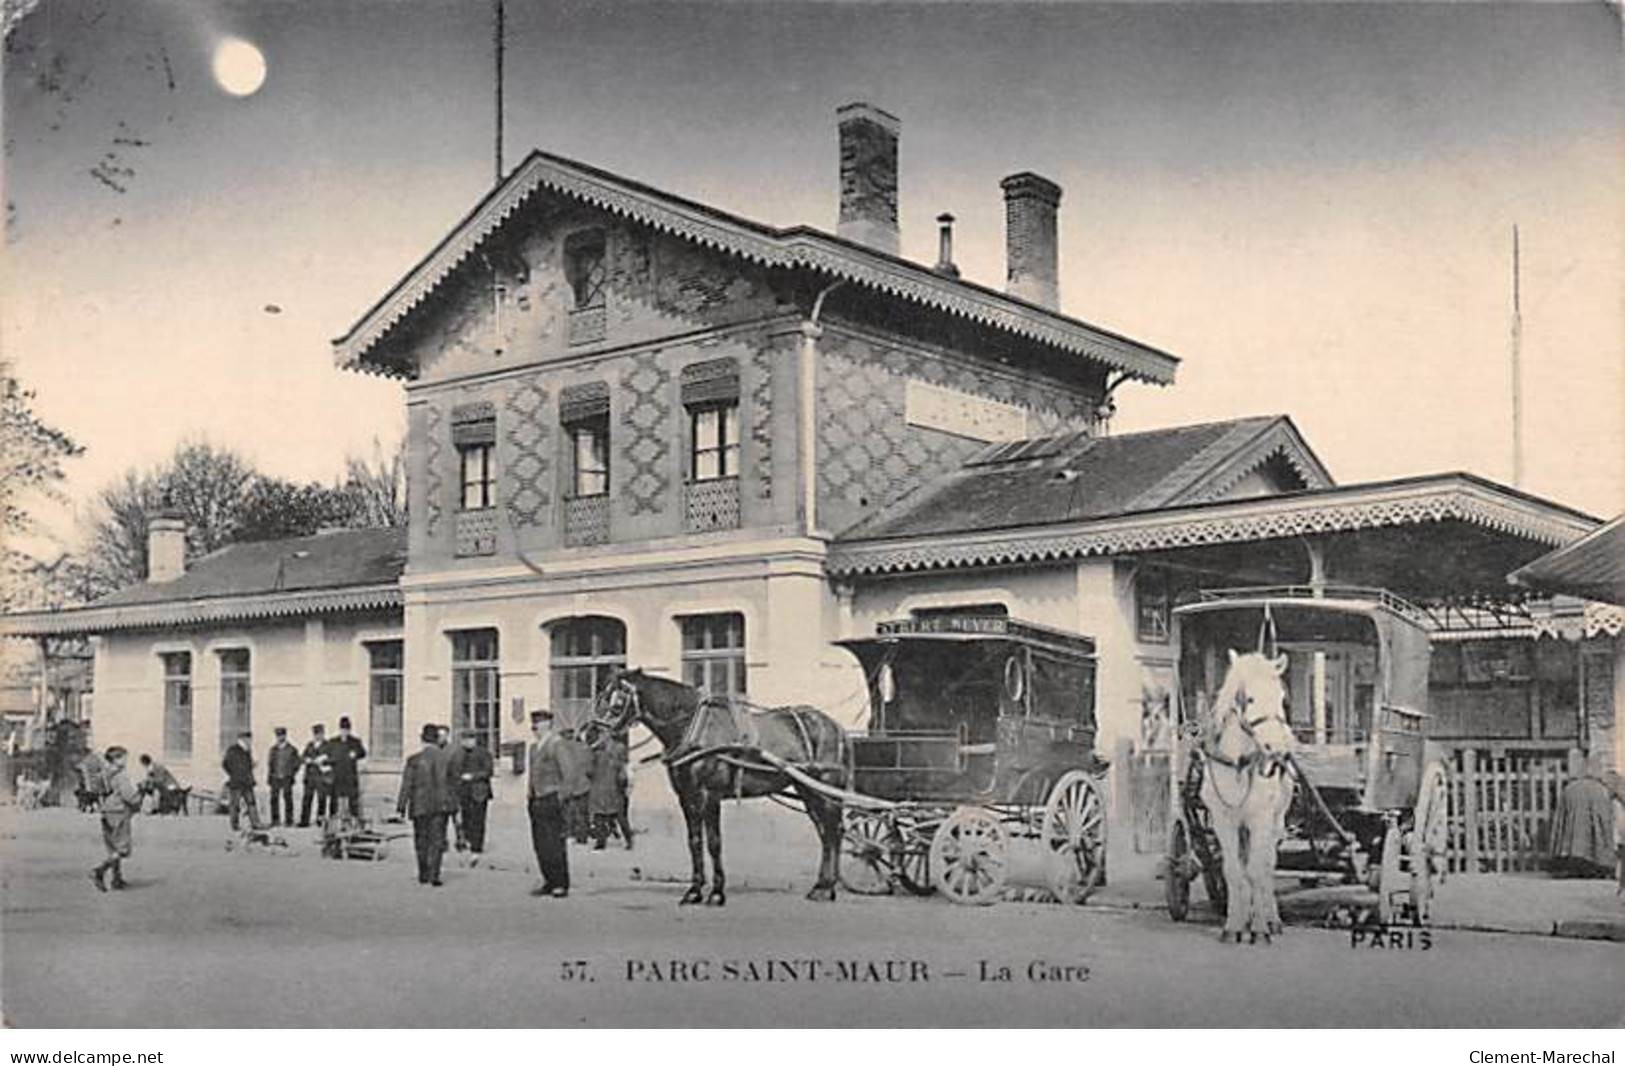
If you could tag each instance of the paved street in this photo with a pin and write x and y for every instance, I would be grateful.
(206, 938)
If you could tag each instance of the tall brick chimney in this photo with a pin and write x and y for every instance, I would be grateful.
(868, 176)
(1031, 267)
(166, 545)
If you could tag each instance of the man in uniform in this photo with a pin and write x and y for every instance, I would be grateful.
(427, 797)
(318, 777)
(471, 768)
(344, 754)
(545, 790)
(281, 767)
(239, 767)
(119, 803)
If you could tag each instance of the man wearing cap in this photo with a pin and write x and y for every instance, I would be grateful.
(281, 767)
(318, 777)
(471, 769)
(239, 767)
(427, 797)
(118, 803)
(344, 754)
(544, 789)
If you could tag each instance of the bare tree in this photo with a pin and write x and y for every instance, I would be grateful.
(31, 458)
(376, 487)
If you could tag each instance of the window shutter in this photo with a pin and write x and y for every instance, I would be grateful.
(582, 403)
(474, 423)
(713, 381)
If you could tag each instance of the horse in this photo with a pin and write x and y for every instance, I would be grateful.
(1247, 789)
(716, 749)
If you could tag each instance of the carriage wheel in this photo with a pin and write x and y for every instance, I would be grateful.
(1075, 834)
(1175, 885)
(914, 858)
(1429, 839)
(969, 856)
(869, 845)
(1388, 877)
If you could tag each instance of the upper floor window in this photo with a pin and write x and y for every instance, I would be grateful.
(589, 442)
(479, 476)
(584, 268)
(716, 441)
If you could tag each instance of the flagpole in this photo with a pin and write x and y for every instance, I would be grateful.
(498, 34)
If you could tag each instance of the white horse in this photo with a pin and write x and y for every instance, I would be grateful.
(1247, 789)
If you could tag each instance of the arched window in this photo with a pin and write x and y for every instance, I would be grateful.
(585, 651)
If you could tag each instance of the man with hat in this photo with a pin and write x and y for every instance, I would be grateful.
(427, 797)
(281, 767)
(344, 754)
(318, 777)
(239, 767)
(119, 803)
(471, 769)
(544, 789)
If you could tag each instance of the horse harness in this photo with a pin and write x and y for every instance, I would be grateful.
(1261, 762)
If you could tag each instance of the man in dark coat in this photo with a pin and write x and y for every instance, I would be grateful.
(606, 801)
(239, 767)
(281, 767)
(427, 797)
(471, 768)
(318, 777)
(161, 783)
(344, 754)
(545, 791)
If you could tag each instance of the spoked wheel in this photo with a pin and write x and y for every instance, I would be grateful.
(1074, 832)
(914, 859)
(1429, 839)
(869, 846)
(970, 856)
(1176, 885)
(1389, 881)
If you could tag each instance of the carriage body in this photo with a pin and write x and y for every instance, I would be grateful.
(978, 769)
(968, 708)
(1356, 683)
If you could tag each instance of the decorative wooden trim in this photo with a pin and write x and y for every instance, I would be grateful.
(799, 247)
(1446, 498)
(94, 619)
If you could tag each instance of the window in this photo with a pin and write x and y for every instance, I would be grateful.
(178, 704)
(714, 653)
(586, 651)
(385, 683)
(1151, 606)
(476, 686)
(589, 443)
(584, 268)
(234, 692)
(479, 484)
(716, 441)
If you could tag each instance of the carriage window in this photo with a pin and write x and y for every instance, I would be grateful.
(1064, 690)
(585, 652)
(476, 686)
(714, 653)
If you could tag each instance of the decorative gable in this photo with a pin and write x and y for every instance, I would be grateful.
(1246, 462)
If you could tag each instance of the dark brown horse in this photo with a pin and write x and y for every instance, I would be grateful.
(717, 749)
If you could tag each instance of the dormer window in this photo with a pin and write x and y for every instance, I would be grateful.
(584, 268)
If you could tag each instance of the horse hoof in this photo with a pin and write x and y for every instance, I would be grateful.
(822, 893)
(693, 895)
(715, 899)
(1276, 929)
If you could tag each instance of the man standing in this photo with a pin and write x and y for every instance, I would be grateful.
(344, 754)
(119, 803)
(471, 769)
(576, 759)
(546, 805)
(318, 777)
(607, 800)
(281, 767)
(427, 798)
(239, 767)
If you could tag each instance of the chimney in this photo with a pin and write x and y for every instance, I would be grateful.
(868, 176)
(1030, 203)
(166, 545)
(945, 246)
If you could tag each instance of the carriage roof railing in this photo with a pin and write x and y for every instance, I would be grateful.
(1333, 596)
(982, 627)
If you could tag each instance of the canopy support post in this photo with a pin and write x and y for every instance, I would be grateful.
(1317, 566)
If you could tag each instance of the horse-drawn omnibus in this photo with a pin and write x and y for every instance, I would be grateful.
(1364, 804)
(978, 768)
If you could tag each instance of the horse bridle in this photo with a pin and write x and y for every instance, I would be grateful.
(1272, 761)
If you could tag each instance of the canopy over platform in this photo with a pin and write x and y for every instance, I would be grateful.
(1592, 568)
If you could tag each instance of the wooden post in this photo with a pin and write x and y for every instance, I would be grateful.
(1469, 788)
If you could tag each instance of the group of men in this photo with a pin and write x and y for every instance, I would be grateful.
(331, 767)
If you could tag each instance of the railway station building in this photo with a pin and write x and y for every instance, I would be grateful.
(646, 432)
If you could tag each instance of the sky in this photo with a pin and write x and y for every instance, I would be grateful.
(1311, 204)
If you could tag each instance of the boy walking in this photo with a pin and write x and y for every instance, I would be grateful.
(119, 804)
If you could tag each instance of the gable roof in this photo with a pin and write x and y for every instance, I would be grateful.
(800, 247)
(358, 569)
(1075, 477)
